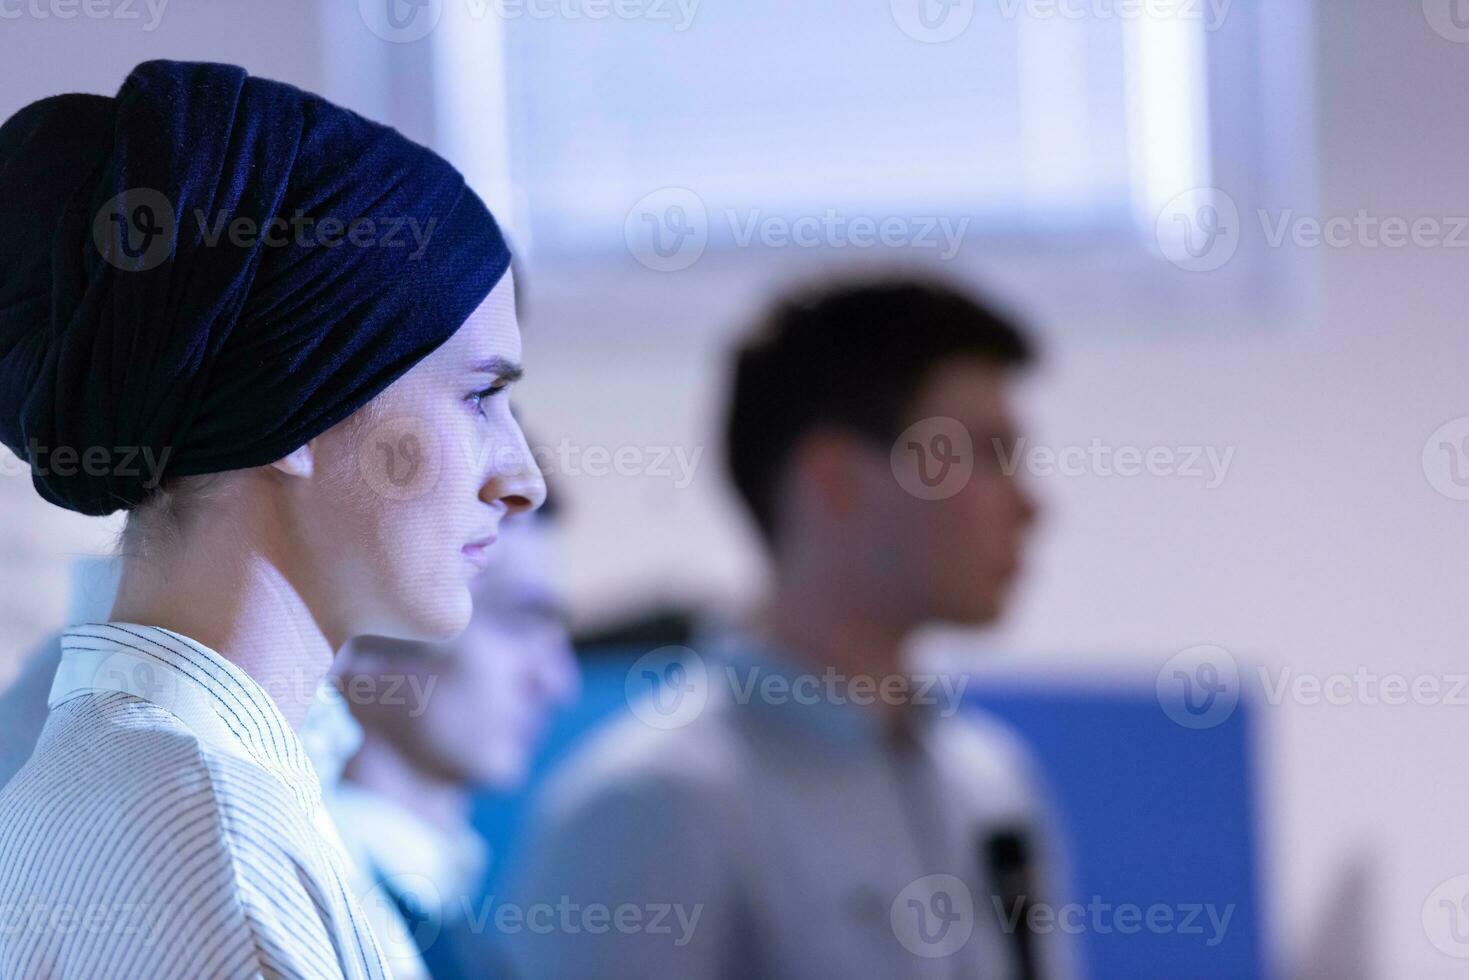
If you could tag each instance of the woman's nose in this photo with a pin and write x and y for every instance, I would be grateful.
(518, 483)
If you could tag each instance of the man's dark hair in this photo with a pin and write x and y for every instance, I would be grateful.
(852, 356)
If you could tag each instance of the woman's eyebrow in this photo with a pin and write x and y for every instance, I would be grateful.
(502, 367)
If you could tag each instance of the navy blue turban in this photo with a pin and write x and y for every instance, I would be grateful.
(208, 270)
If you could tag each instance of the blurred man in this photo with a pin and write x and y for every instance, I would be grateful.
(435, 728)
(798, 804)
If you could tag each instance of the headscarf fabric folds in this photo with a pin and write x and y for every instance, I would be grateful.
(209, 269)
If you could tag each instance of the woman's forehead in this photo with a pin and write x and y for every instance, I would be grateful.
(492, 330)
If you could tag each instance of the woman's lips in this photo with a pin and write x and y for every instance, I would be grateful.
(478, 552)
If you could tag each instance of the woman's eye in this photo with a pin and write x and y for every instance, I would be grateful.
(490, 392)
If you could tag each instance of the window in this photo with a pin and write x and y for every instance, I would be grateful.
(1046, 143)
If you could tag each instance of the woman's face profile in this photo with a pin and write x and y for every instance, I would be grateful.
(404, 489)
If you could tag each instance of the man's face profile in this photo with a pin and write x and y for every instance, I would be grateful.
(961, 551)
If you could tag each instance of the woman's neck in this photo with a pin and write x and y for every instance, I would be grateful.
(230, 591)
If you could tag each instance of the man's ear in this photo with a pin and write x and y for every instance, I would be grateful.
(299, 462)
(825, 465)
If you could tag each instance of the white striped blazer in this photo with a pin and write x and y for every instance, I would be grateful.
(170, 825)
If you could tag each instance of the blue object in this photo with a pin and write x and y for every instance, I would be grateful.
(499, 816)
(1152, 814)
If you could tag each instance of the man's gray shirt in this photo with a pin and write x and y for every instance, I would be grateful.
(778, 836)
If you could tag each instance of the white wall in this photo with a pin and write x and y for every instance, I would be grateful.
(1327, 549)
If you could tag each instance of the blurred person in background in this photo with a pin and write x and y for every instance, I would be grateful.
(439, 723)
(728, 829)
(23, 706)
(23, 703)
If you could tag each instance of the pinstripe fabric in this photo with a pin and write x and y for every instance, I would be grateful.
(170, 825)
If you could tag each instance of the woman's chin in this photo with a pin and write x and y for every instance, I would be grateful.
(440, 617)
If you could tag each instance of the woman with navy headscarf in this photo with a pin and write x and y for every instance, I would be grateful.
(278, 336)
